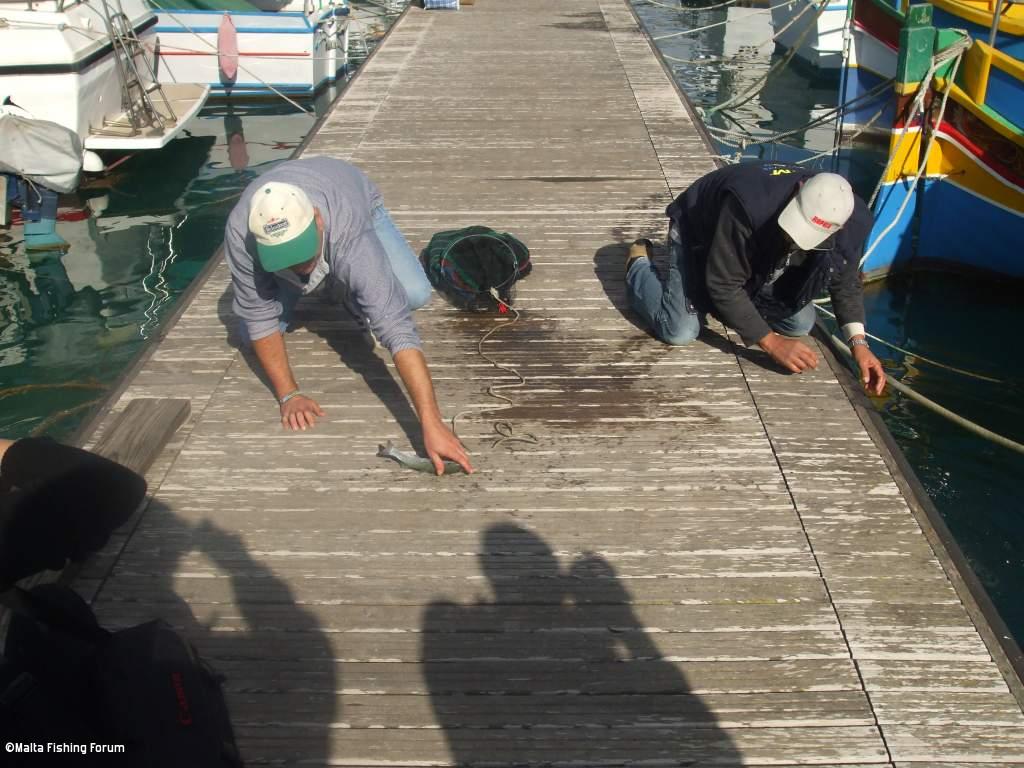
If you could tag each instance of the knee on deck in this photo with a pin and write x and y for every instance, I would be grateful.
(418, 295)
(799, 324)
(678, 336)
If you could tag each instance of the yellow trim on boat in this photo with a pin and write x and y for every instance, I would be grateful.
(976, 66)
(966, 171)
(961, 97)
(980, 12)
(905, 154)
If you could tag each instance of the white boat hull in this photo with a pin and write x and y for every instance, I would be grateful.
(61, 67)
(822, 47)
(294, 52)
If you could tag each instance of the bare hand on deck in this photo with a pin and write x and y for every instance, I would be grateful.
(791, 354)
(300, 412)
(441, 443)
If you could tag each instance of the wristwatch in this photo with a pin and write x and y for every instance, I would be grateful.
(857, 343)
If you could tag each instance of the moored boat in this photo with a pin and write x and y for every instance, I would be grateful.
(78, 79)
(244, 48)
(815, 32)
(952, 192)
(90, 66)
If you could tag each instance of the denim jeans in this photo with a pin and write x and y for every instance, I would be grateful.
(404, 263)
(664, 305)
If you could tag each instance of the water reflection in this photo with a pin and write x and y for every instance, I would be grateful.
(974, 483)
(729, 61)
(135, 239)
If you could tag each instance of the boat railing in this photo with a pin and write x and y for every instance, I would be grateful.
(997, 13)
(136, 73)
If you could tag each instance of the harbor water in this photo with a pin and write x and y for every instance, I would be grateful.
(71, 322)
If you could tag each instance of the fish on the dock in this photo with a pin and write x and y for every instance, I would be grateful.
(412, 461)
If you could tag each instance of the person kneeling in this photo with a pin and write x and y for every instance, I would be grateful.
(753, 244)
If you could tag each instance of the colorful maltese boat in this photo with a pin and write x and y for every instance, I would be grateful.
(952, 191)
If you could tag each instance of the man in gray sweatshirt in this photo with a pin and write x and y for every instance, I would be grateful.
(306, 223)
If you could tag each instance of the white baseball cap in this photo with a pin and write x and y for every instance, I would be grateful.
(819, 209)
(283, 221)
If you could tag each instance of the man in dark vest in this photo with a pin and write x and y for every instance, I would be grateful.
(754, 244)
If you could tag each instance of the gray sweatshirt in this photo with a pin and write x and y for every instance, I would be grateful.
(353, 254)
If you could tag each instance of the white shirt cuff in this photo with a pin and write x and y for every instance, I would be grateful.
(853, 329)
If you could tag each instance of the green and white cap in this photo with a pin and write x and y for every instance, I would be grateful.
(820, 208)
(283, 221)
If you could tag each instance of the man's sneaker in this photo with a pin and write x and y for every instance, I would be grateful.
(640, 249)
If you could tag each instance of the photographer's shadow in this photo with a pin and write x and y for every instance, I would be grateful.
(277, 661)
(557, 669)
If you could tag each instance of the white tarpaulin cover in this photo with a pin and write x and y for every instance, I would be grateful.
(45, 153)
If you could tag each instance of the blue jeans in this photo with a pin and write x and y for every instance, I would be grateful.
(664, 306)
(404, 263)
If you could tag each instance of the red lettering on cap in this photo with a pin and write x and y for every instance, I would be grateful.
(821, 222)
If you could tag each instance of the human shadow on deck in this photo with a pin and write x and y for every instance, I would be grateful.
(355, 350)
(280, 677)
(558, 669)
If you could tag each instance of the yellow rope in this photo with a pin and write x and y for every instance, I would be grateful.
(25, 388)
(54, 418)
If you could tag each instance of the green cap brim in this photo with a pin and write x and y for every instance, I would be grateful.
(296, 251)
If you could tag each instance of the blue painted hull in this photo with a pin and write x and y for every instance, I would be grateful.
(860, 81)
(955, 238)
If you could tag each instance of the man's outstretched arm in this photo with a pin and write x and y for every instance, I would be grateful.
(297, 410)
(439, 441)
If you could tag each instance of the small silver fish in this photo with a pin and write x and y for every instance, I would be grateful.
(412, 461)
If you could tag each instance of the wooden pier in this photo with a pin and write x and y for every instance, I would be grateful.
(703, 560)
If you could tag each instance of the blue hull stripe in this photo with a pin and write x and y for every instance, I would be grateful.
(955, 238)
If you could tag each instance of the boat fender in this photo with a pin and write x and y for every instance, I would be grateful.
(227, 50)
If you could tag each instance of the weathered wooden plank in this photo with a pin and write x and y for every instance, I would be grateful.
(556, 746)
(747, 710)
(935, 676)
(950, 708)
(422, 589)
(964, 743)
(532, 677)
(656, 620)
(140, 431)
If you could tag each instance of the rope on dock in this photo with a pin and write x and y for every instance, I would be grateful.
(931, 405)
(502, 428)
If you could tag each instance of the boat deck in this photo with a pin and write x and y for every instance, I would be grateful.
(702, 560)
